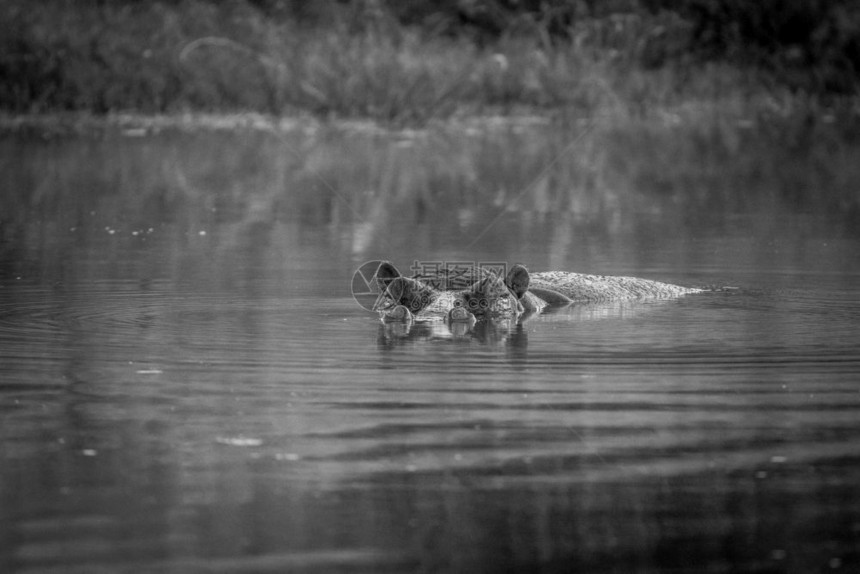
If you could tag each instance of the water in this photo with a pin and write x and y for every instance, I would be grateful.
(187, 385)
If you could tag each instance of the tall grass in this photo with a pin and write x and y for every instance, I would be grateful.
(193, 55)
(163, 58)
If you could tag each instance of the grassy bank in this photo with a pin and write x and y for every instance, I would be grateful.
(167, 58)
(372, 61)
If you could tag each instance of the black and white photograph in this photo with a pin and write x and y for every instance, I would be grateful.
(429, 286)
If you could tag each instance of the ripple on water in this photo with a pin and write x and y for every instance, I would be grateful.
(40, 315)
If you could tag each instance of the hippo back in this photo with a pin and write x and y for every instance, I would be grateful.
(578, 287)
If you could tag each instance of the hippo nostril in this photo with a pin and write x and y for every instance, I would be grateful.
(399, 313)
(460, 315)
(382, 304)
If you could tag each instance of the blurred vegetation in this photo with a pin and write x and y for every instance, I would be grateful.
(807, 44)
(414, 60)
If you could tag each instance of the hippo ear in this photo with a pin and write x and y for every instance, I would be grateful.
(517, 280)
(405, 291)
(385, 274)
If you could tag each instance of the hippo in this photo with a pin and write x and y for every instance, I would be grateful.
(517, 295)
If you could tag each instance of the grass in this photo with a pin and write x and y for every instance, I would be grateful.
(197, 56)
(156, 59)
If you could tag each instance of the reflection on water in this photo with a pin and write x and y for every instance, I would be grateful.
(187, 385)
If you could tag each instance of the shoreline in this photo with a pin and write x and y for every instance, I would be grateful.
(695, 114)
(134, 123)
(140, 124)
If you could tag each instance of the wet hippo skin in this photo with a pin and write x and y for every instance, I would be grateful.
(494, 297)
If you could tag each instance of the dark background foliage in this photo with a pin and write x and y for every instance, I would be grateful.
(99, 55)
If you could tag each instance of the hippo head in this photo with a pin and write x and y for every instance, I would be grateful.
(420, 298)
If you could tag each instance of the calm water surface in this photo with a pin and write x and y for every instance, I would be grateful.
(187, 385)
